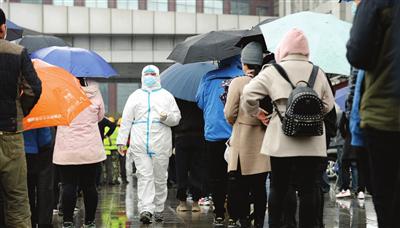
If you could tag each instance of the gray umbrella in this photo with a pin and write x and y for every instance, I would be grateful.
(215, 45)
(37, 42)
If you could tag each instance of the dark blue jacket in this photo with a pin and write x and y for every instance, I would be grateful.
(216, 128)
(36, 139)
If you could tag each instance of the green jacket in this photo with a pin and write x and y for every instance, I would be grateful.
(380, 108)
(110, 143)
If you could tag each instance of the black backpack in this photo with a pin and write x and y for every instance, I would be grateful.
(304, 111)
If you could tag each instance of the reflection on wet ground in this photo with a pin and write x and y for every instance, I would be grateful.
(117, 208)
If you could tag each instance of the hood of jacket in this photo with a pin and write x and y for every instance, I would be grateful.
(92, 89)
(294, 42)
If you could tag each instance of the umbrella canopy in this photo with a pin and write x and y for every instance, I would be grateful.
(211, 46)
(327, 37)
(183, 80)
(13, 31)
(62, 98)
(36, 42)
(341, 97)
(254, 34)
(78, 61)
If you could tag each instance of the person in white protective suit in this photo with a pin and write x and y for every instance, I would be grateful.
(148, 116)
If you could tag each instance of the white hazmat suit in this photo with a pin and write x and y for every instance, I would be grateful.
(148, 116)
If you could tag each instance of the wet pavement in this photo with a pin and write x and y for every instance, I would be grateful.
(117, 208)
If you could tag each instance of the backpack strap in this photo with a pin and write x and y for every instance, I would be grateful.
(283, 73)
(313, 76)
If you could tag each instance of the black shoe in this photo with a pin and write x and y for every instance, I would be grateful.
(246, 223)
(124, 181)
(219, 222)
(145, 217)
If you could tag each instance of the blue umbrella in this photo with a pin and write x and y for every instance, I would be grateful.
(183, 80)
(341, 97)
(78, 61)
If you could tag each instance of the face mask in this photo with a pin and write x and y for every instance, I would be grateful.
(149, 81)
(354, 8)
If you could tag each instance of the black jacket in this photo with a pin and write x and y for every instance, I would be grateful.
(20, 87)
(192, 122)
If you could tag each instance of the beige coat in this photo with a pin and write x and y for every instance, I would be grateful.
(269, 82)
(247, 134)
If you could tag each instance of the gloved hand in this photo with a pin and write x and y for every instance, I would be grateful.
(121, 149)
(163, 116)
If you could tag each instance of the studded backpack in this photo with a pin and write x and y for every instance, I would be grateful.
(304, 111)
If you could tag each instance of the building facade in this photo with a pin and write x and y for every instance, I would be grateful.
(340, 10)
(133, 33)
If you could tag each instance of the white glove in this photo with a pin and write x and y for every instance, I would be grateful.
(163, 116)
(122, 149)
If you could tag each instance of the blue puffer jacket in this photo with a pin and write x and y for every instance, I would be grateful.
(357, 138)
(216, 128)
(37, 138)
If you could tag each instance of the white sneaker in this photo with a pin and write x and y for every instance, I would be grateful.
(345, 204)
(343, 193)
(361, 195)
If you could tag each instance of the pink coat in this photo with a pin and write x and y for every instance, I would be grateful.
(80, 143)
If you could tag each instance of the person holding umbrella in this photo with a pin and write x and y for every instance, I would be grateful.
(20, 89)
(78, 153)
(149, 114)
(216, 130)
(293, 157)
(247, 168)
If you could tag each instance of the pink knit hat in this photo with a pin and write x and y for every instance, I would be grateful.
(294, 42)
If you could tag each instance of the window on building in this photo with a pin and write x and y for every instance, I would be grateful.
(213, 6)
(188, 6)
(262, 11)
(104, 93)
(128, 4)
(32, 1)
(123, 92)
(157, 5)
(63, 2)
(240, 7)
(97, 3)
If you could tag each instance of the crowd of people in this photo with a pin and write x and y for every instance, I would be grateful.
(258, 116)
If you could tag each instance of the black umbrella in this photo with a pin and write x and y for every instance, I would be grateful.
(215, 45)
(254, 34)
(37, 42)
(13, 31)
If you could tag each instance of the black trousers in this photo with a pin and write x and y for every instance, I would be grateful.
(383, 149)
(217, 174)
(83, 176)
(305, 172)
(240, 187)
(40, 188)
(122, 166)
(189, 176)
(345, 169)
(364, 176)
